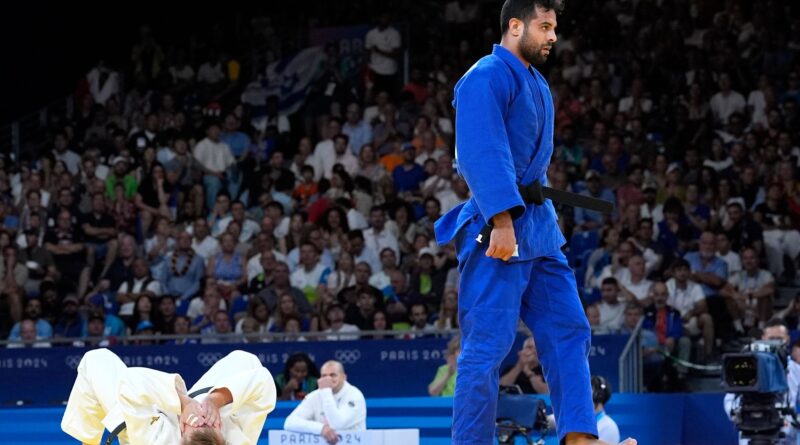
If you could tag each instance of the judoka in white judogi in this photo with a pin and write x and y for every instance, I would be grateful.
(154, 405)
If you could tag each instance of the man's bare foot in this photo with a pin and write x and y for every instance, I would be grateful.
(585, 439)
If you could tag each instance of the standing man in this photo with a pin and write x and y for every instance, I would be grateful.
(504, 138)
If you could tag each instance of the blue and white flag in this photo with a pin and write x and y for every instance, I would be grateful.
(291, 77)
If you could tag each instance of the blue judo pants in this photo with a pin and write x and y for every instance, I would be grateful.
(493, 296)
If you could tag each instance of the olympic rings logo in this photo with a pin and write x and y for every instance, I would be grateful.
(73, 361)
(208, 358)
(349, 356)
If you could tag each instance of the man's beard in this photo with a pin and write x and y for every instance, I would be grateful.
(531, 51)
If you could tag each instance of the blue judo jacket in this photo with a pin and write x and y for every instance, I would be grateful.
(504, 137)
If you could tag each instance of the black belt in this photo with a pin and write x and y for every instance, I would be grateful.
(121, 427)
(536, 193)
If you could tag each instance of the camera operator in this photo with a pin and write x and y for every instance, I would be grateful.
(774, 330)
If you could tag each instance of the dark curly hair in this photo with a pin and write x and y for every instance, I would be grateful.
(300, 357)
(525, 10)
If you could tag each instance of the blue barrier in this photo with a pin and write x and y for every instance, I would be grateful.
(654, 419)
(381, 368)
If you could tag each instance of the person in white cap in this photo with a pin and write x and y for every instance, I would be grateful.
(229, 403)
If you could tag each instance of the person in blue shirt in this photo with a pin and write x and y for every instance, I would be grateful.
(589, 219)
(183, 272)
(667, 325)
(238, 141)
(33, 311)
(69, 324)
(409, 175)
(504, 138)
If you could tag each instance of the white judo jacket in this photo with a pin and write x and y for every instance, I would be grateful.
(106, 393)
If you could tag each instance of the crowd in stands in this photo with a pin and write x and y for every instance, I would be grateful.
(180, 201)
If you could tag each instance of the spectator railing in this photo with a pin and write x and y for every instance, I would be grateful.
(630, 363)
(239, 338)
(25, 132)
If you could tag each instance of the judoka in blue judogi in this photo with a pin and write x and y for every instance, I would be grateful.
(504, 137)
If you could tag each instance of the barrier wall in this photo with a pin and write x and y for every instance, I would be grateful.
(381, 368)
(654, 419)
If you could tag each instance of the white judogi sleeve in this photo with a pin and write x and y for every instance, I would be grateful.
(151, 406)
(92, 405)
(253, 391)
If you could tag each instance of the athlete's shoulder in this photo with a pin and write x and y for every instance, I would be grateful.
(488, 71)
(489, 67)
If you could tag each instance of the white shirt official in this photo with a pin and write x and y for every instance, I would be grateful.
(343, 411)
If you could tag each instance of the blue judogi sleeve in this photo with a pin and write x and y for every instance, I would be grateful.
(483, 151)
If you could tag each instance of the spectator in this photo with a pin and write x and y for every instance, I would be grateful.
(228, 268)
(281, 285)
(202, 309)
(337, 328)
(344, 276)
(420, 327)
(731, 258)
(711, 272)
(666, 323)
(384, 43)
(378, 237)
(358, 130)
(203, 244)
(752, 293)
(409, 175)
(287, 308)
(447, 318)
(362, 253)
(726, 102)
(742, 231)
(70, 323)
(610, 308)
(781, 239)
(444, 383)
(139, 284)
(259, 314)
(33, 313)
(632, 281)
(182, 326)
(28, 337)
(217, 161)
(144, 311)
(221, 327)
(165, 316)
(587, 219)
(69, 252)
(183, 272)
(298, 379)
(527, 371)
(152, 197)
(380, 280)
(362, 311)
(311, 274)
(687, 297)
(100, 232)
(61, 152)
(335, 405)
